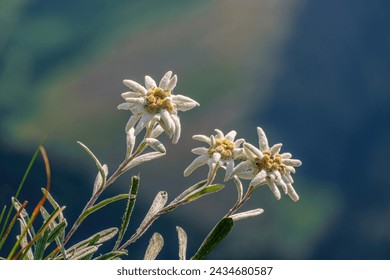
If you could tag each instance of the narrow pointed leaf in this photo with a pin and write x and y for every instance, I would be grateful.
(98, 184)
(53, 202)
(129, 209)
(97, 238)
(202, 192)
(24, 242)
(40, 245)
(58, 229)
(100, 205)
(11, 225)
(23, 216)
(182, 240)
(23, 251)
(189, 190)
(142, 159)
(220, 231)
(97, 162)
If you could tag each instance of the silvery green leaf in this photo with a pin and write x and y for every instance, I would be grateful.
(182, 239)
(81, 253)
(100, 205)
(159, 202)
(53, 203)
(202, 192)
(155, 145)
(40, 245)
(219, 232)
(24, 241)
(97, 238)
(56, 231)
(143, 158)
(130, 142)
(99, 180)
(155, 245)
(24, 217)
(97, 162)
(45, 214)
(129, 209)
(189, 190)
(247, 214)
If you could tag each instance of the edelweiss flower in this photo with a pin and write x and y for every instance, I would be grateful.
(155, 104)
(222, 152)
(266, 166)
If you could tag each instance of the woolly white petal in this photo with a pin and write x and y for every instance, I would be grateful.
(231, 135)
(130, 142)
(275, 149)
(202, 138)
(150, 83)
(130, 94)
(254, 150)
(135, 86)
(164, 80)
(279, 181)
(132, 121)
(176, 134)
(263, 141)
(124, 106)
(155, 145)
(243, 167)
(286, 155)
(156, 131)
(259, 179)
(137, 100)
(220, 134)
(215, 158)
(143, 122)
(166, 122)
(229, 169)
(183, 103)
(238, 142)
(292, 162)
(291, 193)
(247, 175)
(199, 161)
(172, 83)
(200, 151)
(271, 184)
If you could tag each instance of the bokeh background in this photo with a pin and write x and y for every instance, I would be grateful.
(313, 74)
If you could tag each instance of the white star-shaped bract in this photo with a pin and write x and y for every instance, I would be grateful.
(222, 152)
(265, 166)
(155, 105)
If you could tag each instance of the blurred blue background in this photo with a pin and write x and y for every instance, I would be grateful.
(313, 74)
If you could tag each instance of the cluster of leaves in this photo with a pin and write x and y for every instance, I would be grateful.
(50, 240)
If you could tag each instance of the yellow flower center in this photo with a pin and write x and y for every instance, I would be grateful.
(270, 162)
(224, 147)
(156, 99)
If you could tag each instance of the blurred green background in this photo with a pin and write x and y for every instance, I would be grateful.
(313, 74)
